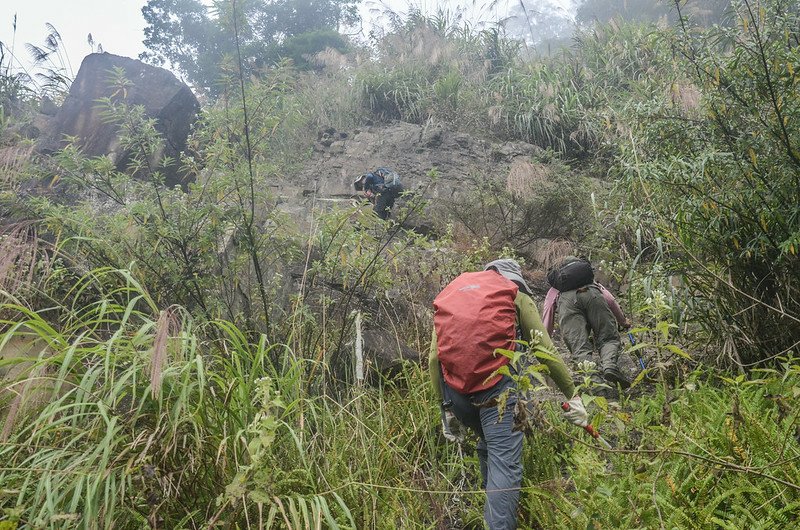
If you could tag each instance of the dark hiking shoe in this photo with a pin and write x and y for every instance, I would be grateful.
(615, 377)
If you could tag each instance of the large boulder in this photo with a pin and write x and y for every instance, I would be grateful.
(166, 99)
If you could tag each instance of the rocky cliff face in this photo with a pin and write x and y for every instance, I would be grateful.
(412, 150)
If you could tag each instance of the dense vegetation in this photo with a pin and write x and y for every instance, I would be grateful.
(185, 360)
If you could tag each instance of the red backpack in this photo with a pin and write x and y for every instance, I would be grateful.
(473, 316)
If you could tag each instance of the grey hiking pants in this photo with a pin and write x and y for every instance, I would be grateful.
(583, 311)
(384, 201)
(383, 204)
(499, 450)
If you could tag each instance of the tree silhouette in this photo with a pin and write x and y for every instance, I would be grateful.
(197, 39)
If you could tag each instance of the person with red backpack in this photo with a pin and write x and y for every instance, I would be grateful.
(474, 315)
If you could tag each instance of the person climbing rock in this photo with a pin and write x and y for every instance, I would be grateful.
(476, 314)
(585, 308)
(381, 187)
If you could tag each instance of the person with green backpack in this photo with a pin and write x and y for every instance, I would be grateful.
(474, 315)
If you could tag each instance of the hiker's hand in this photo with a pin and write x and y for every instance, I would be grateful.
(575, 412)
(626, 325)
(452, 428)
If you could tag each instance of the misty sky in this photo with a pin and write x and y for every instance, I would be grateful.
(118, 24)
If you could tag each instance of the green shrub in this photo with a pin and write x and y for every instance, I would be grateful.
(396, 94)
(713, 164)
(536, 201)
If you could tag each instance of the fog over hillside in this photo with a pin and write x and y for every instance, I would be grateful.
(545, 23)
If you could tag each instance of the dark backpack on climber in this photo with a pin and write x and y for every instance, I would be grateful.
(391, 179)
(572, 273)
(474, 315)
